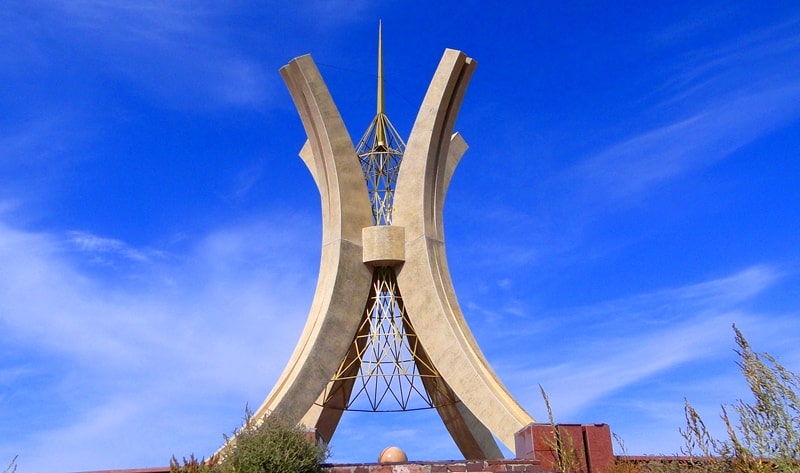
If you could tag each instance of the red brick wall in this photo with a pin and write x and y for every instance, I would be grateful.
(591, 444)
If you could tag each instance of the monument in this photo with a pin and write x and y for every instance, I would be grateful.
(385, 331)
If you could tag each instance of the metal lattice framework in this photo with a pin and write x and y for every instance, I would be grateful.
(380, 152)
(390, 360)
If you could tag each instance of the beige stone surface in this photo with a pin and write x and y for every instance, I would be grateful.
(343, 278)
(384, 245)
(428, 165)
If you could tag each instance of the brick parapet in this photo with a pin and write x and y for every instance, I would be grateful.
(456, 466)
(589, 444)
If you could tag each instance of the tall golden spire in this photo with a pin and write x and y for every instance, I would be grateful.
(380, 152)
(380, 131)
(380, 68)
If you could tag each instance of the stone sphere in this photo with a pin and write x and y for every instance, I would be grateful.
(392, 455)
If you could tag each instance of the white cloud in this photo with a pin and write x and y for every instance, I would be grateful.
(641, 162)
(591, 352)
(620, 362)
(175, 348)
(124, 360)
(181, 53)
(750, 62)
(710, 103)
(630, 362)
(86, 242)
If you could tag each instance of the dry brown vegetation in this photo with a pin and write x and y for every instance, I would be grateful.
(763, 435)
(12, 467)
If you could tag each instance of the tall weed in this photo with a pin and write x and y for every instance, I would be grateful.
(569, 459)
(12, 467)
(762, 435)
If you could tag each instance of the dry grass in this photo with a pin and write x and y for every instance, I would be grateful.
(569, 459)
(763, 436)
(12, 467)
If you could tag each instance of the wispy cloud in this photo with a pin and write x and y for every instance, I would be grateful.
(579, 384)
(754, 61)
(38, 147)
(246, 179)
(660, 330)
(638, 164)
(180, 52)
(198, 330)
(705, 105)
(102, 247)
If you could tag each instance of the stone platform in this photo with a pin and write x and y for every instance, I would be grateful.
(454, 466)
(444, 466)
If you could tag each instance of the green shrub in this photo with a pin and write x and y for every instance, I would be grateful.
(270, 445)
(265, 445)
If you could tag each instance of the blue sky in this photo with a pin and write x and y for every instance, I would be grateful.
(630, 191)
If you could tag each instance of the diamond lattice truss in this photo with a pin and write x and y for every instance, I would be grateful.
(388, 357)
(380, 153)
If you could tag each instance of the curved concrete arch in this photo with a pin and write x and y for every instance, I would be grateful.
(431, 156)
(343, 278)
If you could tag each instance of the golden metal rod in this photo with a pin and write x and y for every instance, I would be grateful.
(380, 68)
(380, 127)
